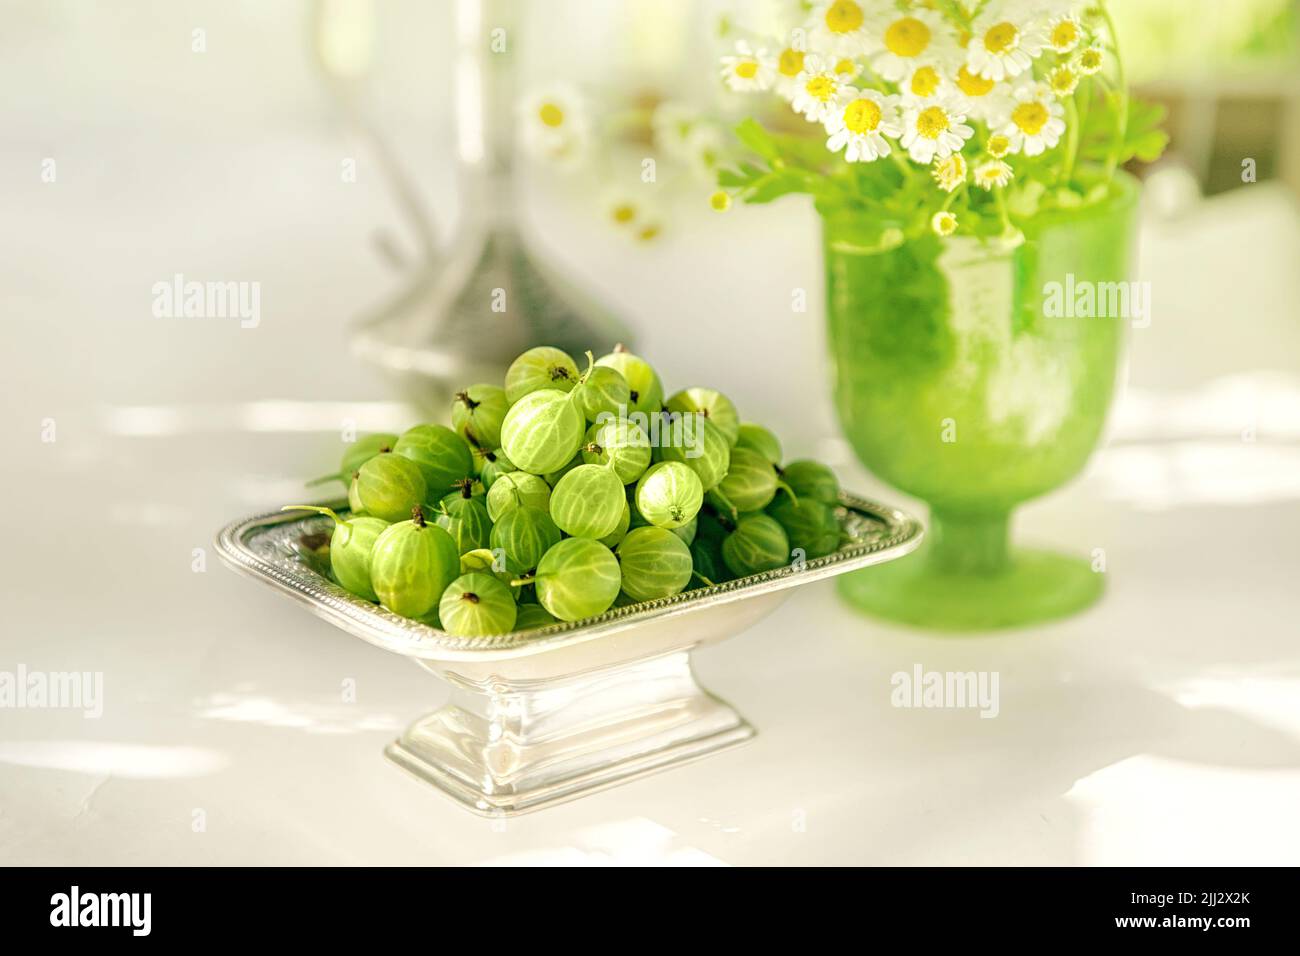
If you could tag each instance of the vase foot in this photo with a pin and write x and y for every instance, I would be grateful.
(1036, 586)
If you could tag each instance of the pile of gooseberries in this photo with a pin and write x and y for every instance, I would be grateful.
(565, 491)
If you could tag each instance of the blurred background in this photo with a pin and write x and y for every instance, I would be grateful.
(312, 147)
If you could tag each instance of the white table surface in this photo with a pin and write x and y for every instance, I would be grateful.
(1161, 727)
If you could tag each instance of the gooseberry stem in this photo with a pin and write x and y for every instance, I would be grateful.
(523, 581)
(782, 486)
(706, 581)
(469, 402)
(417, 515)
(315, 509)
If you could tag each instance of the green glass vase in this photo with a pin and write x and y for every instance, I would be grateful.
(974, 375)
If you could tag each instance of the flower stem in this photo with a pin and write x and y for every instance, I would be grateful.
(1121, 93)
(1072, 140)
(1000, 195)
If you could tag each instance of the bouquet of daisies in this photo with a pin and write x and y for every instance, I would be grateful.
(956, 116)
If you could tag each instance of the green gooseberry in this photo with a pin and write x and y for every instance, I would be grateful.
(530, 616)
(388, 486)
(412, 564)
(710, 403)
(489, 562)
(812, 479)
(612, 539)
(709, 526)
(577, 578)
(492, 465)
(620, 442)
(523, 536)
(655, 563)
(542, 431)
(540, 368)
(645, 391)
(706, 555)
(358, 453)
(669, 494)
(761, 440)
(443, 457)
(635, 518)
(588, 502)
(516, 488)
(465, 518)
(811, 525)
(552, 478)
(687, 531)
(354, 495)
(759, 543)
(477, 414)
(750, 484)
(602, 391)
(698, 443)
(477, 605)
(351, 546)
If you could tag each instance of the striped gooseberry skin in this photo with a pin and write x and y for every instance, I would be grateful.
(477, 605)
(362, 450)
(749, 485)
(466, 520)
(669, 494)
(646, 392)
(700, 445)
(761, 440)
(441, 455)
(538, 368)
(578, 578)
(759, 543)
(706, 554)
(542, 431)
(812, 479)
(655, 563)
(352, 547)
(612, 539)
(603, 391)
(517, 488)
(619, 441)
(710, 403)
(530, 616)
(412, 564)
(388, 486)
(811, 525)
(477, 414)
(588, 502)
(524, 535)
(492, 465)
(552, 478)
(687, 531)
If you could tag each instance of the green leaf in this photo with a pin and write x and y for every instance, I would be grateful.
(757, 139)
(1144, 138)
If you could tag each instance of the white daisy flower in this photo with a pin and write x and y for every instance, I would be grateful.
(748, 70)
(1064, 33)
(998, 146)
(1003, 43)
(949, 173)
(1064, 80)
(859, 124)
(934, 129)
(789, 64)
(993, 173)
(1091, 60)
(943, 223)
(817, 88)
(926, 81)
(905, 39)
(848, 69)
(839, 28)
(555, 125)
(1034, 122)
(981, 98)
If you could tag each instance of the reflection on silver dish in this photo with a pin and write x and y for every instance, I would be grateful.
(546, 715)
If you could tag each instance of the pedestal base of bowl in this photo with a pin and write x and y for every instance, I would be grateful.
(502, 748)
(1034, 587)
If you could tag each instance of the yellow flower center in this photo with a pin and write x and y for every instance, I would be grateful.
(972, 84)
(820, 88)
(720, 201)
(862, 116)
(1063, 80)
(907, 37)
(648, 233)
(846, 67)
(550, 114)
(932, 122)
(1090, 59)
(1065, 35)
(791, 62)
(1001, 38)
(747, 69)
(623, 213)
(998, 145)
(1030, 117)
(844, 16)
(925, 81)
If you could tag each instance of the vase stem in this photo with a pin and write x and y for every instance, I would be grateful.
(969, 544)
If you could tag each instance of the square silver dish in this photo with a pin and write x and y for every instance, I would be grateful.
(541, 716)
